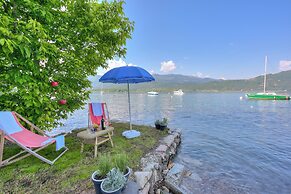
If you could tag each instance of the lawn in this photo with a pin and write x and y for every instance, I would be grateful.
(71, 173)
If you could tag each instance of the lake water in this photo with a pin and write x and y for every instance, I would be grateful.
(230, 145)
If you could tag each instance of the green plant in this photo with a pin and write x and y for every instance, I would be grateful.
(42, 42)
(157, 122)
(164, 122)
(114, 181)
(120, 161)
(104, 165)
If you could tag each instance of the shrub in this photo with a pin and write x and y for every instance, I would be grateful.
(120, 161)
(114, 180)
(104, 165)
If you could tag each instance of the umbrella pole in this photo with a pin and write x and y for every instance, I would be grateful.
(128, 95)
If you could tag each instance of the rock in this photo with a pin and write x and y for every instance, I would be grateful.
(165, 172)
(174, 145)
(177, 169)
(172, 150)
(162, 148)
(164, 157)
(131, 188)
(154, 166)
(169, 140)
(150, 158)
(151, 166)
(165, 189)
(146, 189)
(195, 177)
(188, 173)
(156, 176)
(142, 178)
(170, 165)
(176, 174)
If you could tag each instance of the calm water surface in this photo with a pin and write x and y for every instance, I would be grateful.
(230, 145)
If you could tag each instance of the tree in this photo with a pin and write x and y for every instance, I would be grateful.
(56, 40)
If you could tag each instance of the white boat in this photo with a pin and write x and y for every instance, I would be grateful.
(178, 92)
(152, 93)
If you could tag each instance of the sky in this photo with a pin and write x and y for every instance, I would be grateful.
(222, 39)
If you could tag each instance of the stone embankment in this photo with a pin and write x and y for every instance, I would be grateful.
(156, 167)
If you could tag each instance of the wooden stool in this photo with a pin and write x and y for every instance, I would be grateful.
(100, 137)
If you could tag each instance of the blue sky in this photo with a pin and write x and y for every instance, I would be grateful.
(210, 38)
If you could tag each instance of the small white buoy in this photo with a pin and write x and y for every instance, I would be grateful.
(241, 98)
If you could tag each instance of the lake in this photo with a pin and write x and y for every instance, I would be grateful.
(231, 145)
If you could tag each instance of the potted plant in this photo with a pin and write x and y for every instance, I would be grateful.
(104, 166)
(157, 124)
(161, 124)
(120, 161)
(114, 182)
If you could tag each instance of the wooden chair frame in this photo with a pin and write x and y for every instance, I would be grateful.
(90, 125)
(104, 134)
(30, 151)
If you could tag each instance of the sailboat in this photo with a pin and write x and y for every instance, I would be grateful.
(266, 95)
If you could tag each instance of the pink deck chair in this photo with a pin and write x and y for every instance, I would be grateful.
(12, 130)
(95, 113)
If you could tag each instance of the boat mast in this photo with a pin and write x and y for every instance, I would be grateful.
(265, 78)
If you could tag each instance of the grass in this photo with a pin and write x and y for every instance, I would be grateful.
(72, 172)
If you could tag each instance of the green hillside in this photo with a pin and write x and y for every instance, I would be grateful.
(279, 82)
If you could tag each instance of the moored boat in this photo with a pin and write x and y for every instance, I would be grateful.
(266, 95)
(178, 92)
(152, 93)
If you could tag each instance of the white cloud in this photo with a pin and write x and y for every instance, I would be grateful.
(167, 66)
(113, 64)
(200, 75)
(285, 65)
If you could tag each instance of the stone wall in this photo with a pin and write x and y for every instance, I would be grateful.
(155, 165)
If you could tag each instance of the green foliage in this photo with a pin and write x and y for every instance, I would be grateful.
(104, 165)
(63, 41)
(157, 122)
(163, 122)
(115, 180)
(120, 161)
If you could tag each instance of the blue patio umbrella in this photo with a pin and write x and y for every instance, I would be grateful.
(127, 75)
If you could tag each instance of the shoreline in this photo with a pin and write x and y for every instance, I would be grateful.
(156, 164)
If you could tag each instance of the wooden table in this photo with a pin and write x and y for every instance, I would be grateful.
(100, 137)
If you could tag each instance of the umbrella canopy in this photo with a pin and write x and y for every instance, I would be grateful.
(127, 75)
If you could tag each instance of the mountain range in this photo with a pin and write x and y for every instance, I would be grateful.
(278, 82)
